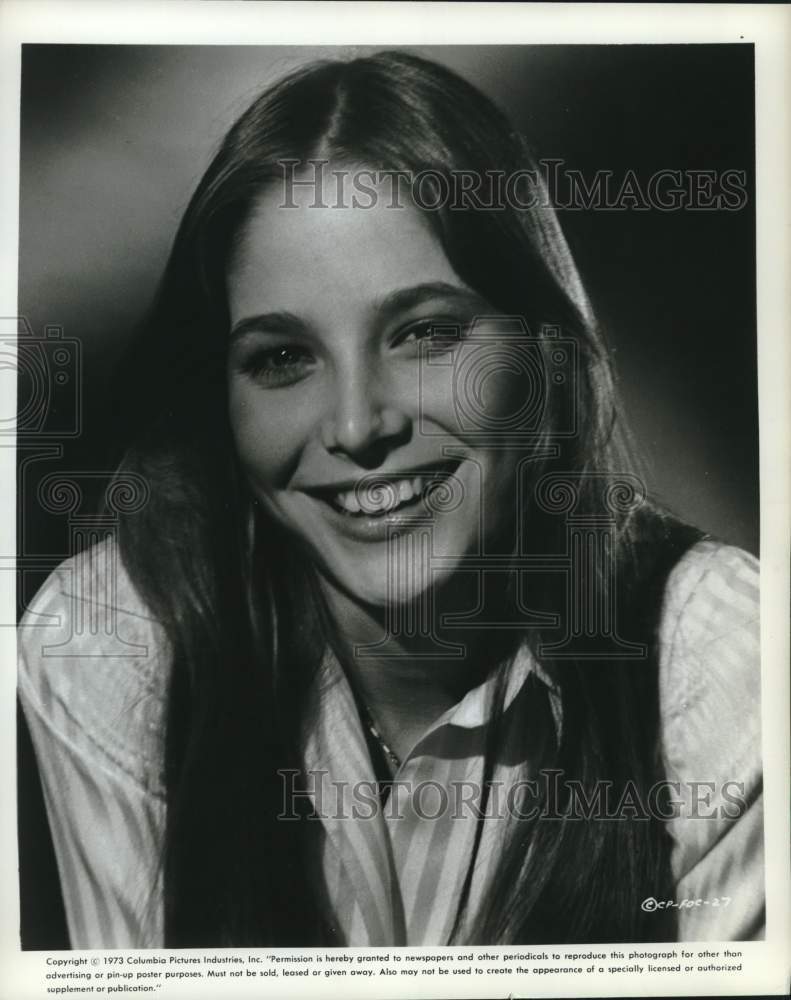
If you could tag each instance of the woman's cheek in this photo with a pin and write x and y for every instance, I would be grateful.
(436, 396)
(268, 434)
(493, 391)
(477, 389)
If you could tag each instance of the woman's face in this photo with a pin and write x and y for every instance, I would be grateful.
(364, 410)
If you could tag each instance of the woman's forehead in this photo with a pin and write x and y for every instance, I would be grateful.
(314, 257)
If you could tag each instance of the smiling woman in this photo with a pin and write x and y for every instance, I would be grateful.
(396, 576)
(323, 386)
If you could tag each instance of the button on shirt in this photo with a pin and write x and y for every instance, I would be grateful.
(93, 679)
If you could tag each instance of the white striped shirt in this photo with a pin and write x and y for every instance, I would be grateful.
(93, 681)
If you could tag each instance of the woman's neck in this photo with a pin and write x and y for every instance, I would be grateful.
(408, 681)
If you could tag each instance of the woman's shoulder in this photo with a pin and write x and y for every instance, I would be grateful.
(710, 700)
(709, 659)
(710, 625)
(94, 665)
(716, 580)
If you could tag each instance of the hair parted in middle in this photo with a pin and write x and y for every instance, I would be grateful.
(238, 601)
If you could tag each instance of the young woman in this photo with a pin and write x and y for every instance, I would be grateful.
(410, 656)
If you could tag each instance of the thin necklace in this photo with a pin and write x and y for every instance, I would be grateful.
(373, 729)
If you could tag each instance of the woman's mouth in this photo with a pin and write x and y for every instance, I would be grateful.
(380, 496)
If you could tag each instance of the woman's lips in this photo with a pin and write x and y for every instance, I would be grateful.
(381, 497)
(379, 503)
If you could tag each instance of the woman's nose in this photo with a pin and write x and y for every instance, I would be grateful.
(366, 421)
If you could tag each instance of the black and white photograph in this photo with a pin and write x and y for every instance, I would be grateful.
(388, 516)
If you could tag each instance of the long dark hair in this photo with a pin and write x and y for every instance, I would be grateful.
(237, 600)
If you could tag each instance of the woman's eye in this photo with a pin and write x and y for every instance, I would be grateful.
(441, 334)
(277, 366)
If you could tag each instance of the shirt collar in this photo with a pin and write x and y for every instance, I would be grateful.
(475, 708)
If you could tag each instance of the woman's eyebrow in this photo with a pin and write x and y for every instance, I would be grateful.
(282, 321)
(276, 322)
(408, 298)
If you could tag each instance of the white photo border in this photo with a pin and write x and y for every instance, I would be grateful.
(186, 22)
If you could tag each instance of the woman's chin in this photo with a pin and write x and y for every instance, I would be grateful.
(382, 592)
(381, 586)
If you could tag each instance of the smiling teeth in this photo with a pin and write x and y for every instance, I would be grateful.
(380, 498)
